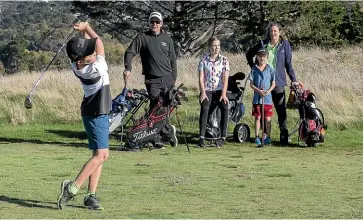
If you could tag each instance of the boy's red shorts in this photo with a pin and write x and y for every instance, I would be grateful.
(268, 110)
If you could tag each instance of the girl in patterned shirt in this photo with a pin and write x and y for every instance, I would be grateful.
(213, 72)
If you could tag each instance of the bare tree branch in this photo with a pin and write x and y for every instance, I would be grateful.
(114, 29)
(202, 5)
(162, 6)
(190, 23)
(147, 4)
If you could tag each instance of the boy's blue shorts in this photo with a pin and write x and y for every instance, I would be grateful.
(97, 130)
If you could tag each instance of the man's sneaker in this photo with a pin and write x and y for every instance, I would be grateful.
(174, 140)
(65, 195)
(267, 140)
(257, 141)
(220, 142)
(92, 202)
(201, 143)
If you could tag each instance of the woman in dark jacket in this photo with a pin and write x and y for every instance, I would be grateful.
(280, 58)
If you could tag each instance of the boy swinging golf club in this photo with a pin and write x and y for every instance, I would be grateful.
(89, 65)
(262, 81)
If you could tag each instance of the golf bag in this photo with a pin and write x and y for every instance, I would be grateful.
(236, 111)
(146, 129)
(128, 102)
(312, 123)
(236, 108)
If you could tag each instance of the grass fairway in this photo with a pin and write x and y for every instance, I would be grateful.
(236, 181)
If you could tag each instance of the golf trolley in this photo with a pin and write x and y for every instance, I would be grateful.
(127, 103)
(236, 108)
(145, 129)
(311, 123)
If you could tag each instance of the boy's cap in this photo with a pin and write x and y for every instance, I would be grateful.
(262, 51)
(78, 47)
(155, 16)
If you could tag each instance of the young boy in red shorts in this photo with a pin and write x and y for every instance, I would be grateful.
(262, 81)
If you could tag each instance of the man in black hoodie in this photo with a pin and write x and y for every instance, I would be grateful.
(158, 63)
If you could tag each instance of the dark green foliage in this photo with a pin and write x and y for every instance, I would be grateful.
(251, 27)
(32, 32)
(305, 23)
(11, 54)
(318, 23)
(351, 29)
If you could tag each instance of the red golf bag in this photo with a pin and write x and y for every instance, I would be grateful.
(312, 123)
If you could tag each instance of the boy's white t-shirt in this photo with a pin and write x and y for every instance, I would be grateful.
(95, 72)
(95, 82)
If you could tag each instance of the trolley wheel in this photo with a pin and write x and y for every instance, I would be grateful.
(241, 133)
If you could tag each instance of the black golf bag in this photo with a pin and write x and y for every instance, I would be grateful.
(146, 129)
(236, 112)
(312, 123)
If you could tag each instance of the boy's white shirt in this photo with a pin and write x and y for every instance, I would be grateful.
(96, 69)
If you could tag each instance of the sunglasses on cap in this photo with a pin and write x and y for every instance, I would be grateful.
(154, 21)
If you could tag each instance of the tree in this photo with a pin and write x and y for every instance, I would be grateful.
(24, 29)
(351, 28)
(251, 28)
(11, 55)
(319, 23)
(190, 23)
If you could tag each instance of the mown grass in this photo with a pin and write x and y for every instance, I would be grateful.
(236, 181)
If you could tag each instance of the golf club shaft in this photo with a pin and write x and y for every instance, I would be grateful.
(179, 123)
(54, 57)
(180, 127)
(125, 87)
(263, 121)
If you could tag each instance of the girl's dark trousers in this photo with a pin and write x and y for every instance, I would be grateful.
(207, 106)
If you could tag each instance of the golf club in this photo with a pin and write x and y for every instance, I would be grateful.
(262, 124)
(124, 94)
(180, 127)
(28, 100)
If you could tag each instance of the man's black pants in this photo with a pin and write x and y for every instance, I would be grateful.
(154, 86)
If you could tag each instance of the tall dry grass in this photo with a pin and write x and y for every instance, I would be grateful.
(335, 76)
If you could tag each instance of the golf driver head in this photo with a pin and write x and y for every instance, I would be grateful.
(28, 102)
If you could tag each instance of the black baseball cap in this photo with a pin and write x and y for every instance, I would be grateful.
(262, 51)
(78, 47)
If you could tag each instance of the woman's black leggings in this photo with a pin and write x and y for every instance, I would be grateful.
(279, 100)
(207, 106)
